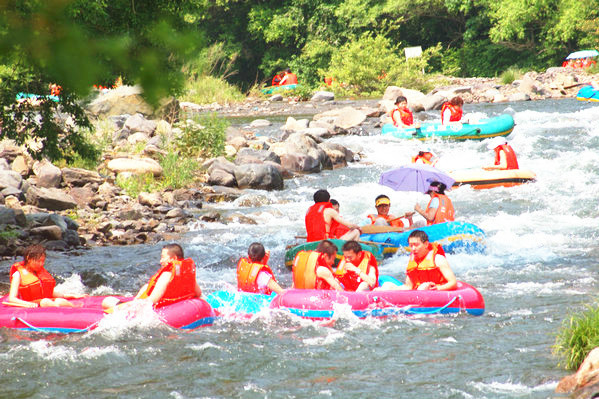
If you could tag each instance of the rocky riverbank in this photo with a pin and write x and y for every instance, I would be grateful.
(68, 207)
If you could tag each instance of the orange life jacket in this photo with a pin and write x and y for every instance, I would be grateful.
(426, 270)
(510, 156)
(181, 285)
(288, 79)
(405, 115)
(316, 227)
(456, 113)
(365, 261)
(392, 220)
(445, 211)
(423, 158)
(33, 286)
(304, 268)
(247, 273)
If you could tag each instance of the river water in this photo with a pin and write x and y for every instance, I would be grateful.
(541, 265)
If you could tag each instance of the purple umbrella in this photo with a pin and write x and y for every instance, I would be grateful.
(415, 177)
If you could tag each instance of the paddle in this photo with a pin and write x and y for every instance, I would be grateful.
(361, 241)
(374, 229)
(577, 84)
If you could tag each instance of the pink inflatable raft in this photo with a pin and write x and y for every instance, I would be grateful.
(186, 315)
(319, 304)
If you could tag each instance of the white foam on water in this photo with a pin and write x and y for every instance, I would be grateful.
(330, 337)
(71, 285)
(512, 388)
(203, 347)
(52, 351)
(139, 315)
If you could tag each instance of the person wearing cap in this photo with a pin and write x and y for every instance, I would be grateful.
(383, 218)
(439, 208)
(320, 217)
(401, 114)
(505, 157)
(425, 157)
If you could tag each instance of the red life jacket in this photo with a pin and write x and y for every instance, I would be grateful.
(456, 113)
(423, 158)
(445, 211)
(426, 270)
(391, 220)
(510, 156)
(181, 285)
(276, 80)
(33, 286)
(304, 268)
(365, 261)
(405, 116)
(288, 79)
(247, 273)
(316, 227)
(337, 229)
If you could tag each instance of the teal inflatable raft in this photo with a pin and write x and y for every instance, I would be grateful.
(588, 93)
(453, 236)
(277, 89)
(501, 125)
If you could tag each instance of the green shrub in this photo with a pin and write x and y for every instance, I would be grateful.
(209, 89)
(178, 171)
(204, 137)
(577, 336)
(509, 75)
(135, 184)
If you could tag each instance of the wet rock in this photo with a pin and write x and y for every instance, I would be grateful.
(135, 166)
(56, 245)
(391, 93)
(47, 174)
(319, 132)
(240, 218)
(338, 154)
(211, 216)
(585, 382)
(303, 163)
(260, 176)
(253, 200)
(294, 125)
(47, 232)
(176, 213)
(260, 123)
(7, 216)
(50, 198)
(323, 96)
(433, 102)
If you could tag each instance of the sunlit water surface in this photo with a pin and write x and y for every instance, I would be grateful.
(541, 265)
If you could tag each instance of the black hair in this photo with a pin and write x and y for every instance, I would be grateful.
(256, 252)
(327, 247)
(322, 196)
(400, 99)
(174, 250)
(421, 235)
(352, 246)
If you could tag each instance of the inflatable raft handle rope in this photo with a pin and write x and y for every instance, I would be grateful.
(34, 328)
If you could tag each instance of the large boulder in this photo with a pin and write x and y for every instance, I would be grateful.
(80, 177)
(260, 176)
(302, 148)
(250, 155)
(10, 178)
(82, 196)
(135, 166)
(128, 100)
(349, 117)
(7, 216)
(50, 198)
(294, 125)
(433, 102)
(47, 174)
(585, 382)
(21, 165)
(392, 92)
(221, 172)
(137, 123)
(323, 96)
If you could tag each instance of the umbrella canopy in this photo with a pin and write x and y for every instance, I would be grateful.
(583, 54)
(415, 177)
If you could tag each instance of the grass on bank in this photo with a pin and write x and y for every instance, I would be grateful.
(509, 75)
(578, 335)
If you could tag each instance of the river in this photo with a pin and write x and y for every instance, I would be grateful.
(541, 265)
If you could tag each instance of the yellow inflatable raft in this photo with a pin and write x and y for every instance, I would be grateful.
(481, 178)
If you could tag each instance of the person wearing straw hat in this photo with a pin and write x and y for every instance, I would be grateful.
(505, 157)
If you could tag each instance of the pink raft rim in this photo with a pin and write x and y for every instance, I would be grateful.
(186, 315)
(318, 304)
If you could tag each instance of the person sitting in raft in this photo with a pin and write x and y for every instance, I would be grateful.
(427, 269)
(505, 157)
(401, 115)
(320, 217)
(288, 78)
(337, 229)
(439, 208)
(175, 281)
(276, 80)
(253, 273)
(452, 111)
(383, 218)
(31, 286)
(358, 270)
(313, 269)
(425, 157)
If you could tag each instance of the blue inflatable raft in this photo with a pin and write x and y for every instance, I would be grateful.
(588, 93)
(453, 236)
(501, 125)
